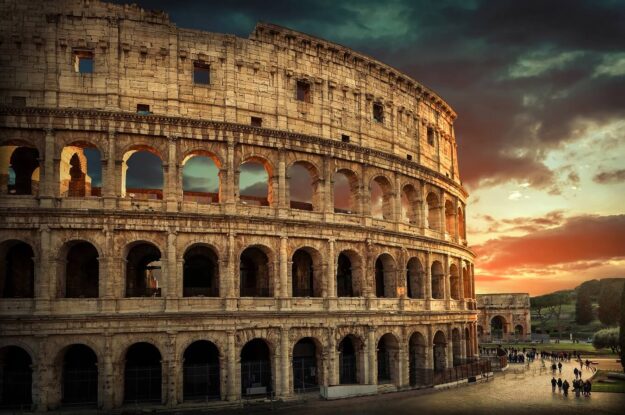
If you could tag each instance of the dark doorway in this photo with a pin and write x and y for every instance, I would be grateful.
(80, 376)
(302, 274)
(255, 368)
(18, 270)
(142, 375)
(143, 271)
(379, 278)
(254, 270)
(16, 377)
(417, 358)
(24, 162)
(348, 369)
(200, 273)
(305, 374)
(201, 371)
(82, 271)
(344, 285)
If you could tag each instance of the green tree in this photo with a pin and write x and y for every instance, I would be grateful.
(607, 338)
(610, 301)
(623, 330)
(583, 306)
(549, 307)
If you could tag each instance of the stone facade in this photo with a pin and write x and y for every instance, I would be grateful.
(106, 267)
(503, 317)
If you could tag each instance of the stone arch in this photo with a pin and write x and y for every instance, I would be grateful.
(307, 361)
(80, 268)
(468, 346)
(388, 359)
(306, 273)
(207, 188)
(454, 282)
(381, 198)
(257, 367)
(143, 374)
(438, 280)
(385, 276)
(415, 278)
(257, 193)
(348, 274)
(133, 155)
(19, 168)
(409, 203)
(456, 346)
(75, 180)
(519, 330)
(462, 232)
(351, 360)
(440, 351)
(143, 269)
(16, 377)
(346, 191)
(433, 208)
(201, 371)
(200, 271)
(417, 358)
(77, 365)
(17, 269)
(256, 272)
(466, 282)
(498, 327)
(304, 186)
(450, 218)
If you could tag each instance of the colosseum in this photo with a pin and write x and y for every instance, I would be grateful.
(323, 249)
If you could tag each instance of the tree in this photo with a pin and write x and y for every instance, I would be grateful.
(607, 338)
(550, 306)
(623, 330)
(610, 301)
(583, 306)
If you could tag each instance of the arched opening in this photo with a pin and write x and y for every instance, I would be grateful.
(17, 270)
(381, 199)
(256, 373)
(415, 279)
(409, 205)
(142, 374)
(305, 273)
(456, 346)
(82, 271)
(255, 273)
(440, 351)
(350, 351)
(454, 282)
(143, 271)
(388, 359)
(142, 174)
(480, 331)
(450, 218)
(200, 377)
(518, 330)
(348, 274)
(345, 192)
(385, 284)
(254, 184)
(433, 211)
(16, 378)
(200, 273)
(466, 281)
(80, 376)
(20, 170)
(80, 171)
(468, 347)
(417, 355)
(497, 327)
(438, 281)
(201, 178)
(303, 186)
(461, 225)
(306, 359)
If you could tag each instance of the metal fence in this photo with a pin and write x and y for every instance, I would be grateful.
(15, 388)
(255, 374)
(347, 369)
(80, 386)
(465, 369)
(142, 384)
(305, 374)
(201, 381)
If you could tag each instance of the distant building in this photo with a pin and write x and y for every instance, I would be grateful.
(503, 317)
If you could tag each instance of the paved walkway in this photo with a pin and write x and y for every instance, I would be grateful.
(513, 392)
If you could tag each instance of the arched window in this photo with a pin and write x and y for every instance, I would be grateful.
(381, 200)
(385, 284)
(254, 184)
(306, 363)
(142, 174)
(82, 271)
(345, 192)
(456, 346)
(255, 276)
(417, 356)
(305, 276)
(201, 178)
(350, 361)
(16, 378)
(303, 183)
(80, 376)
(19, 169)
(440, 351)
(200, 378)
(256, 368)
(498, 328)
(388, 359)
(348, 274)
(461, 225)
(438, 281)
(466, 281)
(143, 271)
(450, 218)
(454, 282)
(200, 273)
(415, 279)
(81, 171)
(17, 275)
(142, 374)
(409, 205)
(433, 211)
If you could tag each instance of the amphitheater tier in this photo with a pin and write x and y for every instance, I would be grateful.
(114, 294)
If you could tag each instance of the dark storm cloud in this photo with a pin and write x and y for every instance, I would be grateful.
(521, 75)
(607, 177)
(145, 171)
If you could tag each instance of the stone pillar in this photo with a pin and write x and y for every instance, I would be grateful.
(428, 280)
(328, 202)
(283, 202)
(228, 192)
(171, 174)
(234, 389)
(398, 207)
(447, 282)
(284, 274)
(42, 377)
(449, 346)
(456, 223)
(46, 177)
(403, 375)
(110, 191)
(285, 363)
(372, 349)
(230, 276)
(332, 364)
(172, 289)
(108, 377)
(331, 269)
(173, 377)
(463, 343)
(44, 281)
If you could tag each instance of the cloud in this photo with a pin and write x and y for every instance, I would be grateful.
(608, 177)
(538, 62)
(611, 65)
(581, 238)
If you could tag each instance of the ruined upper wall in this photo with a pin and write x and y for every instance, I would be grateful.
(512, 300)
(140, 57)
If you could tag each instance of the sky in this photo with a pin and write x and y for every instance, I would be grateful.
(539, 88)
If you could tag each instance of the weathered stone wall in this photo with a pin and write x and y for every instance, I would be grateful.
(140, 57)
(513, 309)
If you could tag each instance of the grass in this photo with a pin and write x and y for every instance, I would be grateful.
(583, 348)
(615, 385)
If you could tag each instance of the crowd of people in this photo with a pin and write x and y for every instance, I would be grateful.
(580, 387)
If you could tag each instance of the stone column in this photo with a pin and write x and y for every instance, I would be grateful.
(447, 282)
(449, 346)
(171, 174)
(428, 280)
(328, 202)
(331, 269)
(46, 177)
(456, 223)
(404, 365)
(107, 377)
(231, 275)
(42, 377)
(285, 363)
(44, 281)
(172, 289)
(372, 348)
(172, 363)
(110, 188)
(228, 192)
(234, 389)
(283, 202)
(398, 206)
(463, 343)
(332, 364)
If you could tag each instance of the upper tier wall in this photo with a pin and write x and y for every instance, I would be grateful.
(140, 57)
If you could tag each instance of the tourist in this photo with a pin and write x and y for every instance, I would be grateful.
(565, 387)
(559, 384)
(554, 382)
(588, 388)
(560, 367)
(576, 373)
(553, 368)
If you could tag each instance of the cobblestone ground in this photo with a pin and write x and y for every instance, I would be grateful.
(516, 391)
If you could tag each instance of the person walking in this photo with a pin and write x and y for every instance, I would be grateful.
(576, 373)
(565, 387)
(560, 367)
(554, 382)
(553, 368)
(559, 384)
